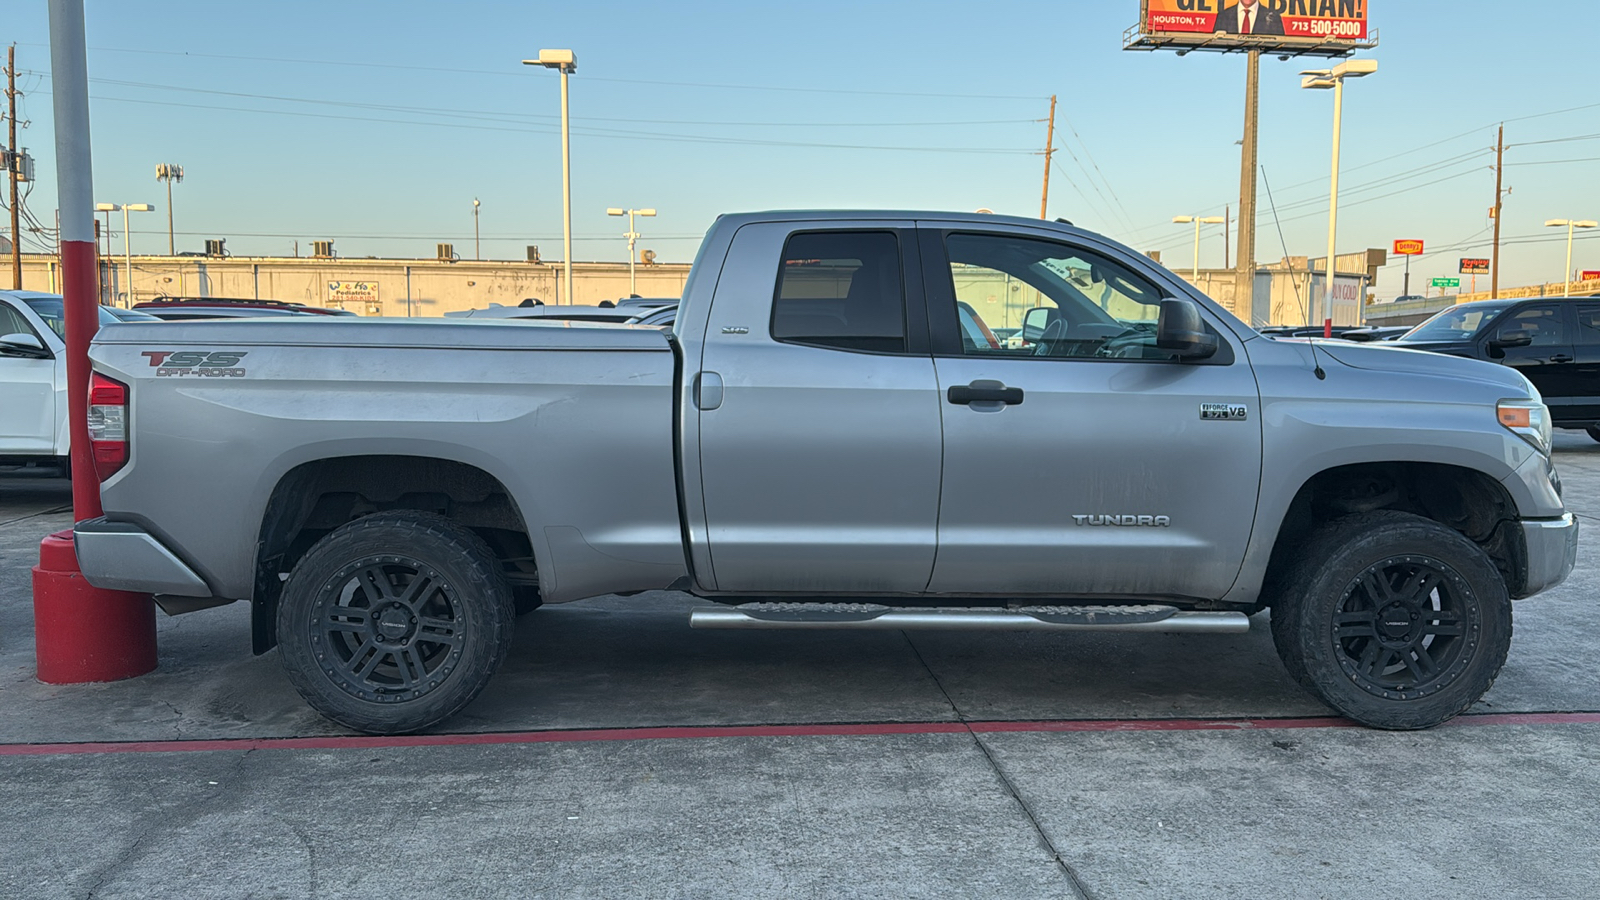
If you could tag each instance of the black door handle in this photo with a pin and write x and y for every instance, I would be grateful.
(1561, 358)
(985, 392)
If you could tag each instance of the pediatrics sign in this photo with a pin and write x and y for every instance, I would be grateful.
(1314, 20)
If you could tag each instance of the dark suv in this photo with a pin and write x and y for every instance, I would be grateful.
(1555, 342)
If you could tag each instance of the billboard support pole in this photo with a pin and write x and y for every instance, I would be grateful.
(1245, 274)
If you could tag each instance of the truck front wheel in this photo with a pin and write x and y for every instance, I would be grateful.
(394, 622)
(1393, 620)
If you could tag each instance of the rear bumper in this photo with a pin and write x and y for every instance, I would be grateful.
(1552, 546)
(121, 556)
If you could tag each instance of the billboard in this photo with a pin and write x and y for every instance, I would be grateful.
(1474, 265)
(353, 294)
(1408, 248)
(1310, 20)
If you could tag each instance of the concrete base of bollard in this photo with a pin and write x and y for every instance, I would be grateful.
(83, 633)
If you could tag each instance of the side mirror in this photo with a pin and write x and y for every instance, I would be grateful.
(1034, 322)
(22, 345)
(1511, 337)
(1182, 330)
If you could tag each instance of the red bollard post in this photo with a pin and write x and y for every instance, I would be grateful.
(81, 633)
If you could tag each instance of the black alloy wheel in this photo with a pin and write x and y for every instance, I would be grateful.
(391, 629)
(1406, 627)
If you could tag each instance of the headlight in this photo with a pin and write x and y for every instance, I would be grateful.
(1528, 418)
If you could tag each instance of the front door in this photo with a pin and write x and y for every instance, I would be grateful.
(27, 394)
(819, 415)
(1079, 459)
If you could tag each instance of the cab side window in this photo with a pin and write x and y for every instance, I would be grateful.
(1588, 324)
(12, 322)
(1024, 297)
(1543, 321)
(843, 290)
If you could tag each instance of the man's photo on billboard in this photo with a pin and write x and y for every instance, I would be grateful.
(1249, 17)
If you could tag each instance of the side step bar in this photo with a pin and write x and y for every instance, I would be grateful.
(872, 617)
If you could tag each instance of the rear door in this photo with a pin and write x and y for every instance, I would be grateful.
(27, 392)
(819, 413)
(1586, 370)
(1079, 460)
(1549, 362)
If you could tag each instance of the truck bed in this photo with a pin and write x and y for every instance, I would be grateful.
(574, 421)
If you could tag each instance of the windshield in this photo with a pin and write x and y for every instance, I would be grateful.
(50, 310)
(1457, 324)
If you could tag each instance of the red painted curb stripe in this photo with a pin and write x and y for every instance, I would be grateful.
(352, 742)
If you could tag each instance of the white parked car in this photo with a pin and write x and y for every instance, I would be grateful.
(33, 375)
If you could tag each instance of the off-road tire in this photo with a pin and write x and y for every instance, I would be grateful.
(345, 608)
(1341, 611)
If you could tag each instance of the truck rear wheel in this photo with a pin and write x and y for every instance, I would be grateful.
(394, 622)
(1393, 620)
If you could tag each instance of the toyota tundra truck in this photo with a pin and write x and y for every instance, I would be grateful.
(831, 436)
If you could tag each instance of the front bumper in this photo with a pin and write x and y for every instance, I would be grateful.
(121, 556)
(1552, 546)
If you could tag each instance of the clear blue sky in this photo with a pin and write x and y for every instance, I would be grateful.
(376, 123)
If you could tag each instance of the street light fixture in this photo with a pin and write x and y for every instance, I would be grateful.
(632, 235)
(1321, 80)
(1198, 221)
(127, 252)
(169, 173)
(566, 62)
(1569, 225)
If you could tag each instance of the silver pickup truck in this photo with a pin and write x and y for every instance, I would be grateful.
(860, 420)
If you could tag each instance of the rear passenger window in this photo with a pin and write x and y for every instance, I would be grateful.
(841, 289)
(1588, 325)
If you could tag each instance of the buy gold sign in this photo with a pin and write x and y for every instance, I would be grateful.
(1326, 20)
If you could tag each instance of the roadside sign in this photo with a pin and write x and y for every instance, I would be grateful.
(1474, 266)
(1589, 275)
(1447, 282)
(1407, 248)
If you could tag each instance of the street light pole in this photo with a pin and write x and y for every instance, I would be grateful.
(632, 235)
(1569, 224)
(566, 62)
(1198, 221)
(1322, 80)
(127, 251)
(476, 253)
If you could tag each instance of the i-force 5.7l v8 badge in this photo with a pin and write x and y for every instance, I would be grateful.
(1227, 412)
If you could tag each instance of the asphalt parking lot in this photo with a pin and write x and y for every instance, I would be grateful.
(620, 754)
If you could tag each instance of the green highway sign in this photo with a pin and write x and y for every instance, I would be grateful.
(1447, 282)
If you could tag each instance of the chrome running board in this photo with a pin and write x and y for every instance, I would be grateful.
(872, 617)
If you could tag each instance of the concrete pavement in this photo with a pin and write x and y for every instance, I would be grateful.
(1502, 810)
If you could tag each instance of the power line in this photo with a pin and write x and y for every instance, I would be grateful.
(589, 132)
(518, 73)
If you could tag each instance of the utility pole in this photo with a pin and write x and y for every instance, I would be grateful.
(1499, 172)
(11, 157)
(1245, 263)
(1049, 151)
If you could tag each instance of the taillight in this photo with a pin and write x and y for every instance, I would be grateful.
(108, 425)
